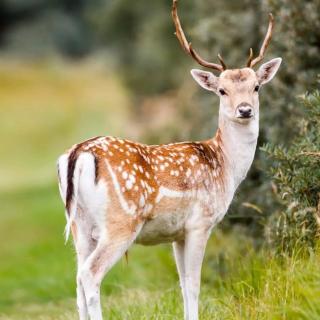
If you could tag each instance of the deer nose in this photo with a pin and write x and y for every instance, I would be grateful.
(245, 110)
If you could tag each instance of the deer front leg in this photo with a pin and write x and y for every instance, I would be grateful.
(195, 244)
(178, 249)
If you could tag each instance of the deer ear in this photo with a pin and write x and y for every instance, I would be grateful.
(268, 70)
(207, 80)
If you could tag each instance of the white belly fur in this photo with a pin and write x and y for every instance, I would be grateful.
(169, 218)
(166, 227)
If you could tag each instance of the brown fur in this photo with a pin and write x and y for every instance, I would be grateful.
(180, 166)
(74, 231)
(238, 75)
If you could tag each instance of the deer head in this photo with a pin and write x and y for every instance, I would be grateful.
(238, 89)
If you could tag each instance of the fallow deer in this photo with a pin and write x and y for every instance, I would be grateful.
(117, 192)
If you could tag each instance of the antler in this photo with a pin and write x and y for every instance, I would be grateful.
(187, 45)
(252, 62)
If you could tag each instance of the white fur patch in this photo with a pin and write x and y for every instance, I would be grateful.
(93, 197)
(63, 171)
(124, 204)
(170, 193)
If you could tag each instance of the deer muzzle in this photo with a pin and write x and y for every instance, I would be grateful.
(244, 111)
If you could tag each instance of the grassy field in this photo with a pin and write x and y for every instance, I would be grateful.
(45, 109)
(37, 273)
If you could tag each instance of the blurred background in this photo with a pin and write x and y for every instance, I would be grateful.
(73, 69)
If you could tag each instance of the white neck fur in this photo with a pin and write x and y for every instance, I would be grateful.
(239, 141)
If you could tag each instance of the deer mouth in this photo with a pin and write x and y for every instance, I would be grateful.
(244, 119)
(249, 116)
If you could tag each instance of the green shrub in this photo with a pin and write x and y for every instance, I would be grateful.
(296, 176)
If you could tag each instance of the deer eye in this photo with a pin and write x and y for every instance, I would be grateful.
(256, 88)
(222, 92)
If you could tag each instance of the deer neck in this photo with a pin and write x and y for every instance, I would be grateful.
(238, 143)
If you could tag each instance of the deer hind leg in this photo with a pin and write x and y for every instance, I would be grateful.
(84, 245)
(109, 249)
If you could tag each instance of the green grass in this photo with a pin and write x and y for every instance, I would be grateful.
(37, 273)
(44, 109)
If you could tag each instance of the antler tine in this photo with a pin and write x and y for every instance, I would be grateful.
(265, 43)
(187, 47)
(250, 58)
(222, 62)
